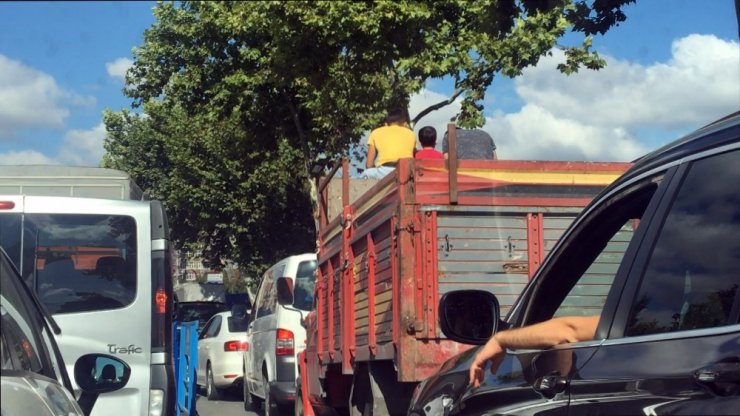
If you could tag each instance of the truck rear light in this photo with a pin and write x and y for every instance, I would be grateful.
(7, 204)
(235, 346)
(284, 343)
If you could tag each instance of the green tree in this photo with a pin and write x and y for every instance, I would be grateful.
(297, 82)
(222, 197)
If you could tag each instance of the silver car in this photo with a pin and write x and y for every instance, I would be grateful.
(34, 380)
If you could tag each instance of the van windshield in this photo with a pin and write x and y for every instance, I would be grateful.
(75, 262)
(304, 282)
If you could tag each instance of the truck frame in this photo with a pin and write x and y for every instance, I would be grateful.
(429, 227)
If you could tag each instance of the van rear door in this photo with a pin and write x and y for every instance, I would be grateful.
(90, 261)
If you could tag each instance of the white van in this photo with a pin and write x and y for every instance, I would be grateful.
(101, 267)
(276, 335)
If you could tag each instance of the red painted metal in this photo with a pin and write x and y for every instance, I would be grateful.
(330, 310)
(536, 246)
(431, 274)
(371, 336)
(320, 284)
(452, 163)
(345, 182)
(347, 296)
(307, 408)
(508, 201)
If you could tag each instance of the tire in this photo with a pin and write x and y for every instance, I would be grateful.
(212, 392)
(252, 403)
(270, 405)
(298, 406)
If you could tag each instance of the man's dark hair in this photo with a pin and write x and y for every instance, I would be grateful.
(397, 116)
(428, 136)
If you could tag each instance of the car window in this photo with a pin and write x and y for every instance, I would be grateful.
(215, 327)
(304, 285)
(237, 324)
(75, 262)
(692, 277)
(578, 281)
(588, 295)
(267, 298)
(204, 333)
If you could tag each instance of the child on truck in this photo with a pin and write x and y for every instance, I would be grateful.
(428, 139)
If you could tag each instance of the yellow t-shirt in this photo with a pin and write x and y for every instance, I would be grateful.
(392, 143)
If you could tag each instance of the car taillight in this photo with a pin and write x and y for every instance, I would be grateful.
(7, 204)
(160, 299)
(284, 344)
(235, 346)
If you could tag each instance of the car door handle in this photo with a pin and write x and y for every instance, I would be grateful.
(551, 384)
(723, 377)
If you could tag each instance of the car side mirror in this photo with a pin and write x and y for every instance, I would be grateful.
(99, 373)
(285, 291)
(469, 316)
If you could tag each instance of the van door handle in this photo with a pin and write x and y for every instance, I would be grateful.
(723, 377)
(551, 384)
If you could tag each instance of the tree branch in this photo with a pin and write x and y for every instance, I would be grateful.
(436, 106)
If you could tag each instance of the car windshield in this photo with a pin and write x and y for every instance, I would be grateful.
(21, 325)
(199, 311)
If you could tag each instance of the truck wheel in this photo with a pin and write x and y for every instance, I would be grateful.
(212, 392)
(252, 403)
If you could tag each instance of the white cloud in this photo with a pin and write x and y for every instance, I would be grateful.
(698, 84)
(25, 157)
(32, 99)
(117, 69)
(83, 147)
(28, 98)
(594, 115)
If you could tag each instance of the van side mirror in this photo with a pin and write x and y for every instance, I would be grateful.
(469, 316)
(285, 291)
(99, 373)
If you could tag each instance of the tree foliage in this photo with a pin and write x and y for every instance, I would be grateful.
(272, 87)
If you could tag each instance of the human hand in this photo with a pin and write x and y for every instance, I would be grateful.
(491, 351)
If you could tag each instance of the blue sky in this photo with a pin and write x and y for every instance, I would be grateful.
(674, 65)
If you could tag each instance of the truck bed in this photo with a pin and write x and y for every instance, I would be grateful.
(388, 256)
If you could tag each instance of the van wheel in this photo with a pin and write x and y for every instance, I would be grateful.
(270, 406)
(252, 403)
(298, 409)
(212, 392)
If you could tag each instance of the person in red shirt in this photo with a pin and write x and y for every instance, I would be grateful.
(428, 139)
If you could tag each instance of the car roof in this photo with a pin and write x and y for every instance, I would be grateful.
(713, 135)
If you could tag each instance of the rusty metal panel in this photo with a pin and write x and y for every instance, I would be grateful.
(487, 250)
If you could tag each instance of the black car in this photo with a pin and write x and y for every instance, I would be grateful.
(657, 257)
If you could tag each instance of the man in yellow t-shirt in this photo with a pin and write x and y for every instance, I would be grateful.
(395, 140)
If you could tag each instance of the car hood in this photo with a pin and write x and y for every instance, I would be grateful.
(440, 394)
(33, 395)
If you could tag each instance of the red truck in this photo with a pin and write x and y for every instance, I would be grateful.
(429, 227)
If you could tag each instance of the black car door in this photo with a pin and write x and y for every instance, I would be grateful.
(674, 346)
(583, 277)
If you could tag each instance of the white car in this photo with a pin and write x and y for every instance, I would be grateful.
(220, 347)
